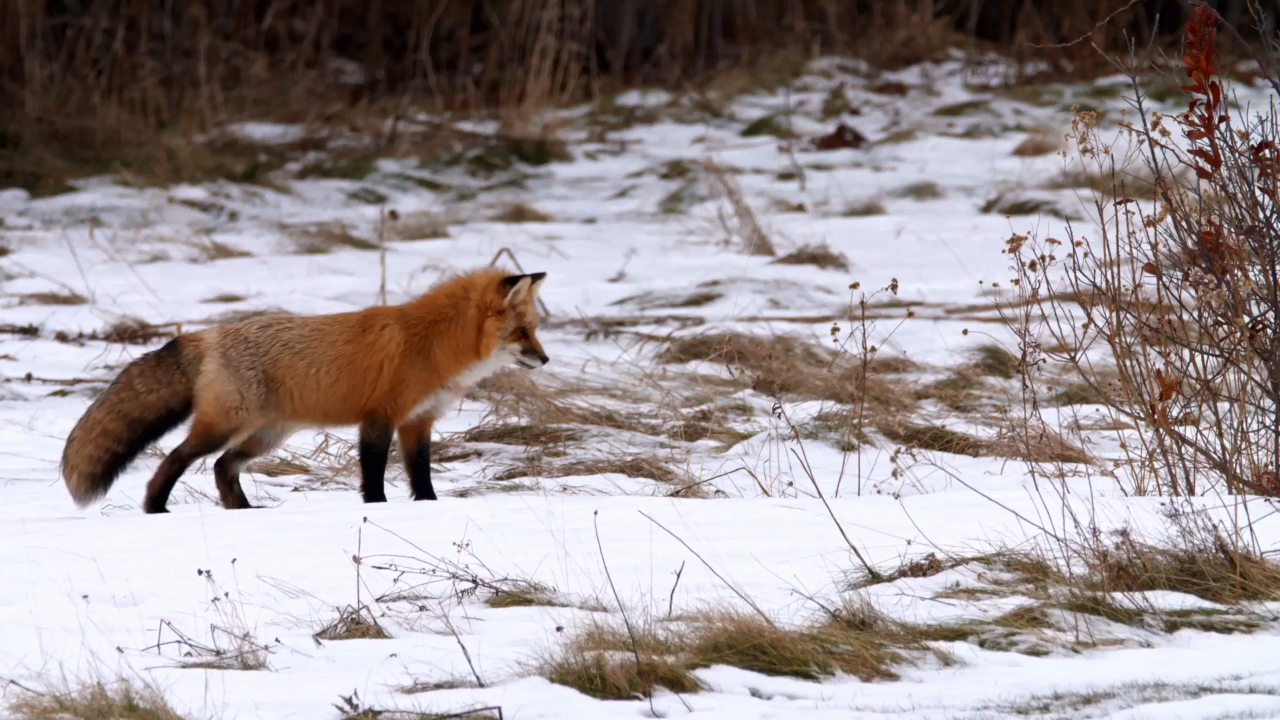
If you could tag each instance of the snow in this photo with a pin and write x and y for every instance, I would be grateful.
(85, 589)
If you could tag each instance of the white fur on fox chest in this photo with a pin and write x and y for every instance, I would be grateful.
(438, 402)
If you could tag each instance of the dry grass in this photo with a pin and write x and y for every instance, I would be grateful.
(96, 700)
(323, 238)
(354, 623)
(422, 225)
(737, 219)
(601, 659)
(616, 461)
(351, 707)
(1037, 145)
(1132, 183)
(937, 439)
(52, 298)
(864, 208)
(921, 191)
(551, 400)
(521, 213)
(526, 434)
(523, 593)
(818, 255)
(786, 366)
(221, 298)
(1202, 563)
(1003, 205)
(1044, 447)
(844, 643)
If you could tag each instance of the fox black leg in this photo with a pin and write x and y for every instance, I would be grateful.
(415, 443)
(375, 443)
(226, 471)
(199, 442)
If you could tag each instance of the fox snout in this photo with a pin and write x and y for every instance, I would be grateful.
(531, 359)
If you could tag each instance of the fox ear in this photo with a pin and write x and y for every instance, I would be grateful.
(516, 287)
(536, 282)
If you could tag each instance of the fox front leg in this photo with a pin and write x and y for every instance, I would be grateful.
(415, 443)
(375, 443)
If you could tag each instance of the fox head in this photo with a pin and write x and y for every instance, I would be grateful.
(518, 321)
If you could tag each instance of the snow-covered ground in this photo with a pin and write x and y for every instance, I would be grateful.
(635, 250)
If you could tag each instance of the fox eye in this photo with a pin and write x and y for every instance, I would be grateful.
(522, 334)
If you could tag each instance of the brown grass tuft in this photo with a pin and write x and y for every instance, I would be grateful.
(845, 644)
(600, 659)
(323, 238)
(521, 213)
(737, 219)
(354, 624)
(52, 298)
(1202, 563)
(922, 191)
(1037, 145)
(119, 700)
(864, 208)
(224, 298)
(937, 438)
(817, 255)
(422, 225)
(521, 434)
(995, 361)
(782, 365)
(523, 594)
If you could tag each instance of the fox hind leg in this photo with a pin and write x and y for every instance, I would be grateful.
(226, 471)
(203, 439)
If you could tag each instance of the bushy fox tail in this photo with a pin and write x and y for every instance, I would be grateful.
(153, 395)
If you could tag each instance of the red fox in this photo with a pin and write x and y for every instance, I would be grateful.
(248, 386)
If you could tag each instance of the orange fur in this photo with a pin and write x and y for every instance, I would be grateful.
(247, 386)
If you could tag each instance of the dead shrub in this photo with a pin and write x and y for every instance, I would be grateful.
(1181, 292)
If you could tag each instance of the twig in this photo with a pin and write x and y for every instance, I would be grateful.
(458, 638)
(382, 251)
(20, 686)
(808, 471)
(691, 486)
(706, 564)
(635, 647)
(671, 599)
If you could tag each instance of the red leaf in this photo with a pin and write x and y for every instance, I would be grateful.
(1151, 269)
(1203, 174)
